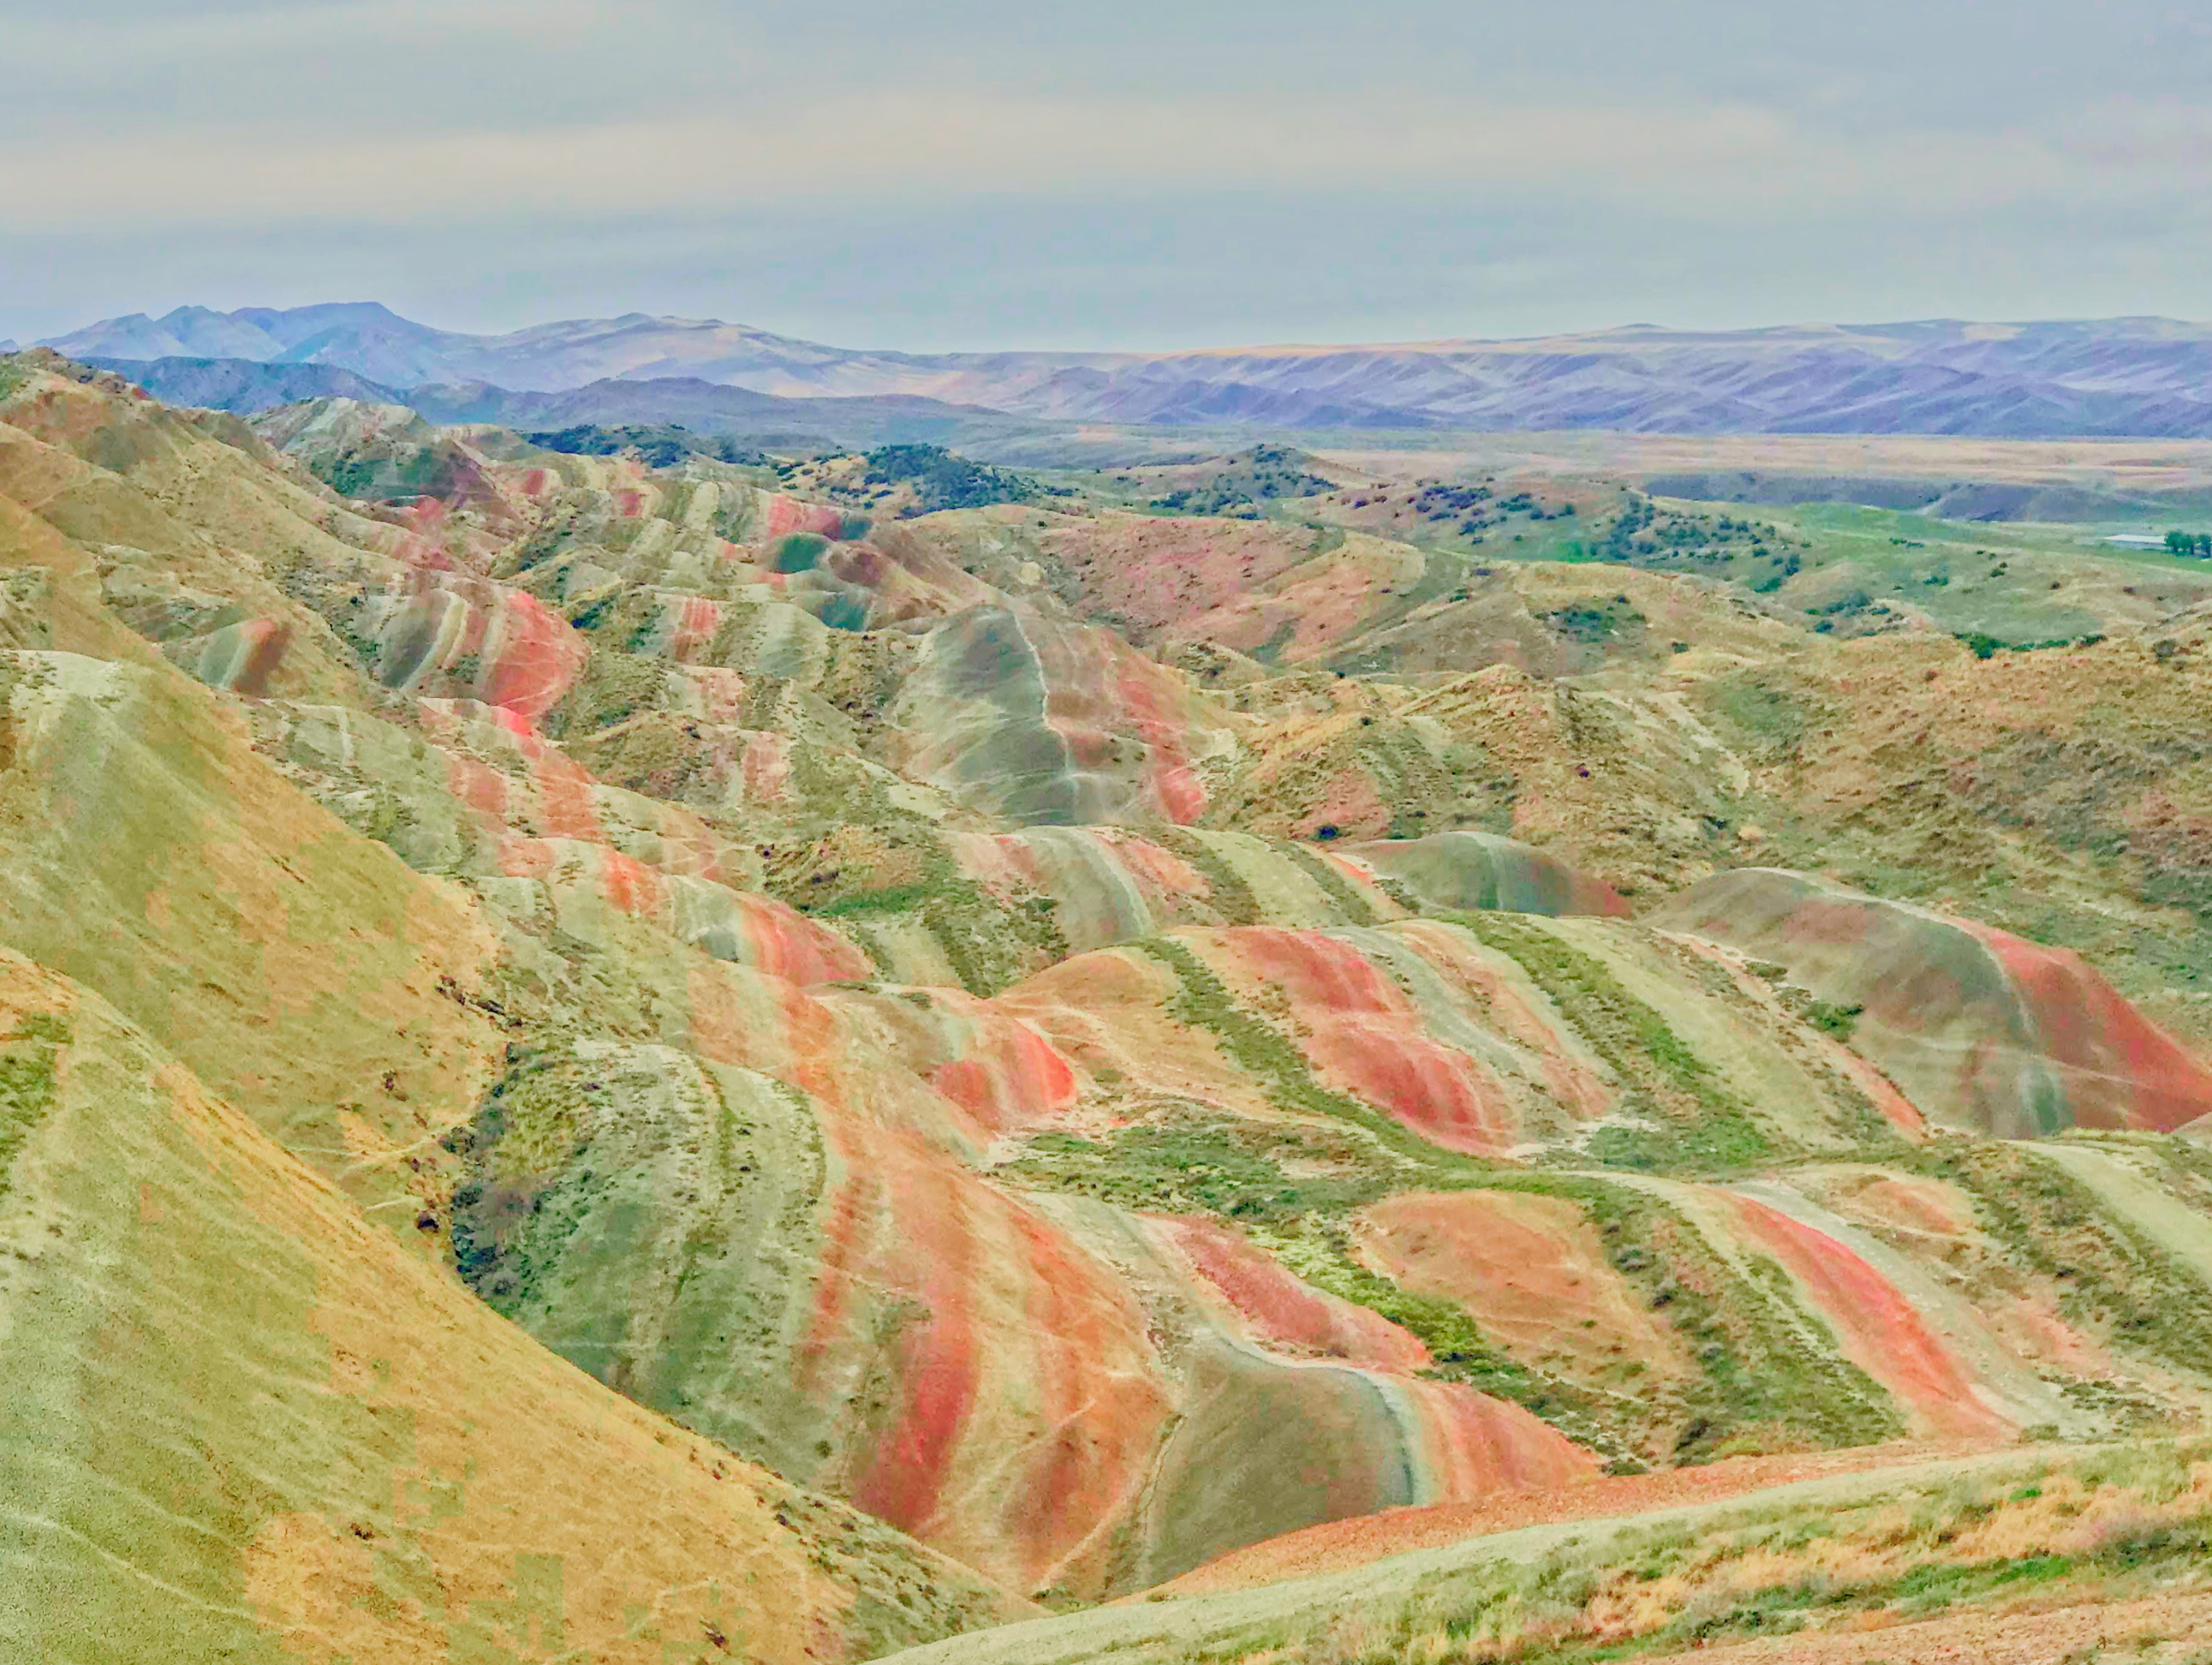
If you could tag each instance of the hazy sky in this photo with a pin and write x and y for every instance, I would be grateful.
(1117, 172)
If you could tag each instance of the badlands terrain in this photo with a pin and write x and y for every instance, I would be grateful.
(619, 1045)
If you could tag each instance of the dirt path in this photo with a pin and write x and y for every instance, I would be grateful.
(1160, 1628)
(1344, 1545)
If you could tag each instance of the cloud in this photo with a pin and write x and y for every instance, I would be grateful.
(96, 32)
(1279, 164)
(876, 147)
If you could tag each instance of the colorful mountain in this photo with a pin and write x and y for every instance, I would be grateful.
(627, 1062)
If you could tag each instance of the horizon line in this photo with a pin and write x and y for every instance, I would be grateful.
(1282, 346)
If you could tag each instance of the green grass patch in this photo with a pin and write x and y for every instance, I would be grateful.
(1193, 1163)
(1351, 907)
(1982, 646)
(27, 1057)
(800, 552)
(1595, 621)
(2111, 1280)
(1321, 1255)
(1838, 1021)
(401, 476)
(987, 944)
(892, 899)
(613, 687)
(1203, 1000)
(1667, 1591)
(945, 479)
(1757, 1375)
(1266, 474)
(1759, 709)
(1694, 1124)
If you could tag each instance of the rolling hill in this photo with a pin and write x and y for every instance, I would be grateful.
(667, 1062)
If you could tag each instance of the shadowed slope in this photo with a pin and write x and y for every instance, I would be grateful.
(241, 1424)
(150, 854)
(1462, 870)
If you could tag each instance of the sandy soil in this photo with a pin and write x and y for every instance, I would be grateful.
(1531, 1270)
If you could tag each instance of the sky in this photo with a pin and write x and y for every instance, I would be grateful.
(1119, 173)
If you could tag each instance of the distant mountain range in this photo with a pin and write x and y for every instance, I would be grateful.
(245, 385)
(2133, 377)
